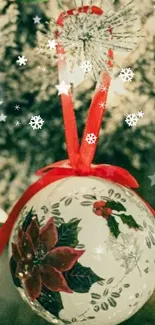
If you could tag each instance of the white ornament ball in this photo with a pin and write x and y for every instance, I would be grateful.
(3, 216)
(83, 252)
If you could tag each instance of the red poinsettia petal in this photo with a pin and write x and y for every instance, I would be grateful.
(33, 232)
(27, 248)
(24, 269)
(53, 279)
(49, 235)
(63, 258)
(15, 252)
(33, 284)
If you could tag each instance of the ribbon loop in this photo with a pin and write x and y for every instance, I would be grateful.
(97, 108)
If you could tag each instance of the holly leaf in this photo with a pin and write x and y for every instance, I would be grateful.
(13, 266)
(81, 278)
(117, 206)
(51, 301)
(128, 220)
(28, 219)
(68, 234)
(113, 226)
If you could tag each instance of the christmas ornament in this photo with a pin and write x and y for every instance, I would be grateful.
(83, 242)
(61, 272)
(87, 33)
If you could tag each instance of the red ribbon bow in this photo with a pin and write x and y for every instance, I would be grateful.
(80, 157)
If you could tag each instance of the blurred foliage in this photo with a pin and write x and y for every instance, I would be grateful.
(24, 150)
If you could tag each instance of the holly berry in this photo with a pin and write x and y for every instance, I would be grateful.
(98, 207)
(99, 204)
(106, 212)
(101, 210)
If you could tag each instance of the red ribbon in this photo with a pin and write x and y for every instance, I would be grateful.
(80, 158)
(84, 154)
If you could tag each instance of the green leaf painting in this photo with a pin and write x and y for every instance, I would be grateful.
(113, 225)
(68, 234)
(117, 206)
(81, 278)
(129, 220)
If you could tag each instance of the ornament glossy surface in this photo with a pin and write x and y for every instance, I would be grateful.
(86, 252)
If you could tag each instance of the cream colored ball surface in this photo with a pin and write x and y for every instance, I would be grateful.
(83, 251)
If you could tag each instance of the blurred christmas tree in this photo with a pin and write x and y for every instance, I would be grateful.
(32, 87)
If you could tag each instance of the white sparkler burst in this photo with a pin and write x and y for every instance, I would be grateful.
(87, 36)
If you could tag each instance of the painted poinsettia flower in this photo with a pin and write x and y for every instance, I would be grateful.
(39, 262)
(100, 209)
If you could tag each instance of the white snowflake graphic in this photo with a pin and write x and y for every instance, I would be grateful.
(52, 44)
(126, 74)
(21, 60)
(17, 107)
(140, 114)
(131, 119)
(17, 123)
(86, 66)
(36, 122)
(104, 89)
(91, 138)
(102, 104)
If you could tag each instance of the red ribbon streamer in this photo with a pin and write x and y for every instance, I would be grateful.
(80, 158)
(82, 155)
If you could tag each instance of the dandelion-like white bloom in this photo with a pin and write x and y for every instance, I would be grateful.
(89, 34)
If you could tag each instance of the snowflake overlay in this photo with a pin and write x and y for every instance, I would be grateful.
(91, 138)
(86, 66)
(102, 104)
(126, 74)
(17, 123)
(104, 89)
(52, 44)
(140, 114)
(17, 107)
(36, 122)
(21, 60)
(131, 119)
